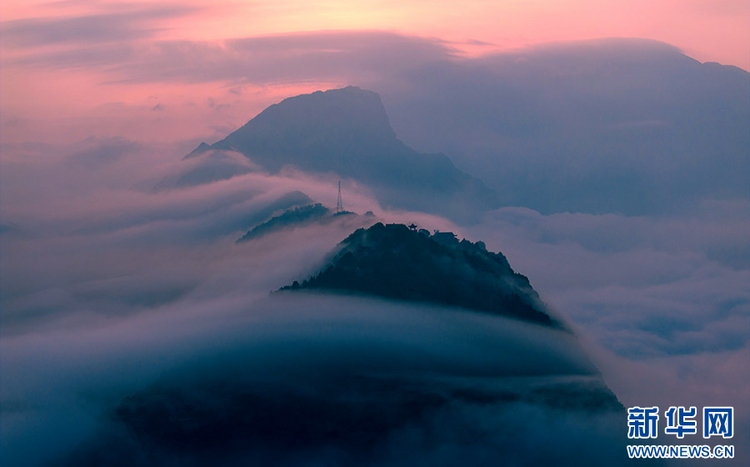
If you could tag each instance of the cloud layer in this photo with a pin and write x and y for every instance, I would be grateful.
(116, 292)
(315, 56)
(112, 24)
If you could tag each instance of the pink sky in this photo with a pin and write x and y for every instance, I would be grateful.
(72, 68)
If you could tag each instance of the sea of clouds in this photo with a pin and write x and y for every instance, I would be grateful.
(110, 287)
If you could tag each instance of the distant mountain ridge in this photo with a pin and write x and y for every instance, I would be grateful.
(397, 262)
(618, 125)
(347, 132)
(295, 217)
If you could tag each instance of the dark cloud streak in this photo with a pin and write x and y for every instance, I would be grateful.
(89, 29)
(104, 152)
(300, 57)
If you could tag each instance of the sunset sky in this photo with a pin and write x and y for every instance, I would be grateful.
(156, 71)
(571, 136)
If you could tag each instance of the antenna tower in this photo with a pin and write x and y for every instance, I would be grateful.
(339, 203)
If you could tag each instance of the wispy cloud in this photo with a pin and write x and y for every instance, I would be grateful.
(95, 28)
(643, 287)
(299, 57)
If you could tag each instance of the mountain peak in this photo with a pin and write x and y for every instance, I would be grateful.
(398, 262)
(347, 131)
(336, 120)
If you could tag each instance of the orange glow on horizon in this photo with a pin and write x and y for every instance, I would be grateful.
(708, 30)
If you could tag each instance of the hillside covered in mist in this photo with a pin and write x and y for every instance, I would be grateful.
(396, 262)
(632, 126)
(347, 132)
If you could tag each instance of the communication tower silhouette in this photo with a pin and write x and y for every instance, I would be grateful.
(339, 202)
